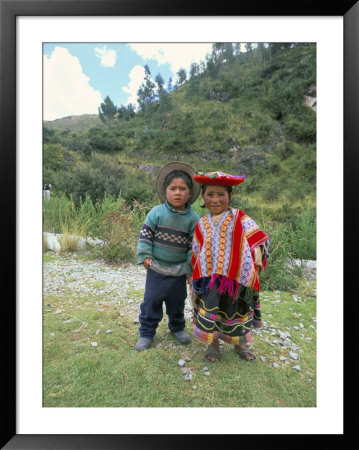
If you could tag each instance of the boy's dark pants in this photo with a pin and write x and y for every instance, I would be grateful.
(161, 288)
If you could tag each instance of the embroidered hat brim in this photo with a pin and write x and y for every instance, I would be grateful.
(168, 168)
(219, 179)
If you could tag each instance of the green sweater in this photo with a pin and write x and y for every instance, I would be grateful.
(166, 237)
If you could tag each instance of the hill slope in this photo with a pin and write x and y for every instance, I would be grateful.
(252, 112)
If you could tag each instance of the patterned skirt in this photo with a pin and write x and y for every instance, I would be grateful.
(217, 316)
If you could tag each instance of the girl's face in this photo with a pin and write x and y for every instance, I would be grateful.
(178, 193)
(216, 199)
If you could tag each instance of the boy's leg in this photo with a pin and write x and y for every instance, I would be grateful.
(176, 294)
(151, 307)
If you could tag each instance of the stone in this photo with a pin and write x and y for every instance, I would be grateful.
(188, 376)
(293, 355)
(276, 365)
(207, 374)
(94, 344)
(181, 362)
(263, 358)
(297, 368)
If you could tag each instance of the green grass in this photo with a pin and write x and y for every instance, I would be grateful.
(113, 374)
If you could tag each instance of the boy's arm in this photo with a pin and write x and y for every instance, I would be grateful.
(145, 242)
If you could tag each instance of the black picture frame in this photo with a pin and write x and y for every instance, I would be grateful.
(9, 10)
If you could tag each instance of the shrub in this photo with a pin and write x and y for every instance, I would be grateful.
(120, 228)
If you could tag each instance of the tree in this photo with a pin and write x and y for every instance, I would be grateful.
(146, 92)
(160, 83)
(194, 70)
(182, 75)
(126, 113)
(169, 86)
(107, 111)
(237, 49)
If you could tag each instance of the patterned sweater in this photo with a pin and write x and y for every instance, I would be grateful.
(166, 237)
(227, 251)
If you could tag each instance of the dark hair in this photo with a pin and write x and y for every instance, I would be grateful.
(229, 189)
(178, 174)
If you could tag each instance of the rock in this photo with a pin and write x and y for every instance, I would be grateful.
(293, 355)
(194, 387)
(52, 334)
(109, 331)
(282, 358)
(207, 373)
(181, 362)
(94, 344)
(188, 376)
(187, 358)
(297, 368)
(276, 365)
(263, 358)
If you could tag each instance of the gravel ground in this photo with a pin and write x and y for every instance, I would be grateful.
(123, 284)
(70, 276)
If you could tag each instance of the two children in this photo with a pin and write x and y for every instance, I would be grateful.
(225, 249)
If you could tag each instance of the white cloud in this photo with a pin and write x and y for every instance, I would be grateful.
(137, 76)
(177, 55)
(108, 57)
(66, 89)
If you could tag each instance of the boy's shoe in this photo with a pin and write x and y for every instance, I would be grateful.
(143, 343)
(182, 336)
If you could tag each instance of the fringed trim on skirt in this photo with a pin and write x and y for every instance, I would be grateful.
(225, 286)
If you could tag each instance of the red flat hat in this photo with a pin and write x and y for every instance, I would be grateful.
(219, 178)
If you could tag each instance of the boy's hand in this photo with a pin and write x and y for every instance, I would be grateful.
(189, 278)
(147, 262)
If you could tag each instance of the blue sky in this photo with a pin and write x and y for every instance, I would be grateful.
(78, 76)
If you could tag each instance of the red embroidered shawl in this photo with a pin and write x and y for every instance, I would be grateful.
(226, 251)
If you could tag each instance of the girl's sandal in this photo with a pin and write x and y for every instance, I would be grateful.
(245, 354)
(211, 354)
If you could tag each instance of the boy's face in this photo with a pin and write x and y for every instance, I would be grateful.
(178, 193)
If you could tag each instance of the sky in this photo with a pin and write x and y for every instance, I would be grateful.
(77, 77)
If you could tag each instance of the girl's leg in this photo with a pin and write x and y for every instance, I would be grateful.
(244, 353)
(212, 352)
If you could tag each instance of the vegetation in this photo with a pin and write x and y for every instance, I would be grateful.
(241, 112)
(90, 361)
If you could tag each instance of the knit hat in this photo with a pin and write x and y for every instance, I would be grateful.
(219, 178)
(170, 167)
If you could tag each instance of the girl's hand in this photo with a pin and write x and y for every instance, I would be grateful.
(189, 279)
(147, 262)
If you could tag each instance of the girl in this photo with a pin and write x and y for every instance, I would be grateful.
(164, 248)
(228, 252)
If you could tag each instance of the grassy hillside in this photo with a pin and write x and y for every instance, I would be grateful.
(243, 113)
(76, 124)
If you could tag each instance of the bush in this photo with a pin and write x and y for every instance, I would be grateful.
(120, 229)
